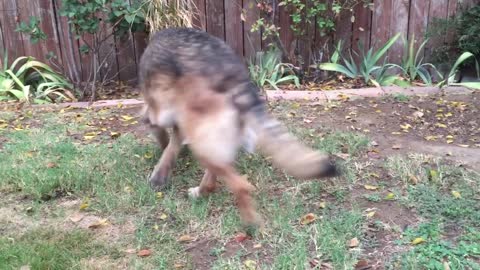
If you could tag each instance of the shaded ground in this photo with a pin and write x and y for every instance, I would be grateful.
(407, 199)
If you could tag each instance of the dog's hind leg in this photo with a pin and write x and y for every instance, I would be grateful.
(161, 172)
(207, 186)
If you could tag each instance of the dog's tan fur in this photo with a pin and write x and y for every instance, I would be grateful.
(214, 122)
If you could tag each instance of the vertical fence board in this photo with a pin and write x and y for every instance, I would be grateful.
(69, 47)
(252, 40)
(287, 35)
(86, 59)
(199, 20)
(439, 10)
(125, 55)
(418, 20)
(233, 25)
(12, 40)
(216, 18)
(343, 27)
(107, 53)
(49, 26)
(361, 26)
(140, 41)
(381, 22)
(27, 9)
(399, 24)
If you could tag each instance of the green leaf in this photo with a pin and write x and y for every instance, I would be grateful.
(337, 68)
(384, 48)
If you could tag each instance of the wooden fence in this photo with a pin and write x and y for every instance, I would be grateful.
(221, 18)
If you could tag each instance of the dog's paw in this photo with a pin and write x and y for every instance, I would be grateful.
(194, 192)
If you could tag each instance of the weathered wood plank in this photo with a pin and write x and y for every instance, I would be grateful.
(68, 46)
(362, 26)
(399, 24)
(199, 20)
(287, 35)
(27, 9)
(381, 23)
(140, 41)
(107, 52)
(216, 18)
(86, 58)
(49, 25)
(438, 9)
(127, 64)
(343, 27)
(12, 41)
(252, 42)
(233, 25)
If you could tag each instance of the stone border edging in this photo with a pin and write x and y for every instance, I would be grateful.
(318, 96)
(357, 93)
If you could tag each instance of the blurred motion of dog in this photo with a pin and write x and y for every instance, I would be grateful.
(195, 85)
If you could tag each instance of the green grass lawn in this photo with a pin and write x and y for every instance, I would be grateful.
(73, 199)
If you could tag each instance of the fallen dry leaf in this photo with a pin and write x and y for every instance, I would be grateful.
(370, 214)
(396, 146)
(250, 264)
(353, 242)
(100, 223)
(370, 187)
(307, 219)
(322, 205)
(77, 217)
(456, 194)
(131, 251)
(390, 196)
(51, 165)
(144, 253)
(114, 135)
(257, 246)
(418, 240)
(84, 204)
(185, 238)
(362, 265)
(178, 265)
(241, 237)
(126, 117)
(163, 216)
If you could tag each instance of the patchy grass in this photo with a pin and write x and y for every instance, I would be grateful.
(49, 249)
(66, 172)
(436, 252)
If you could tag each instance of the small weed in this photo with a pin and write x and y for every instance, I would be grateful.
(372, 197)
(399, 97)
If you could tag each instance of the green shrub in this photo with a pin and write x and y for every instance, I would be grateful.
(27, 79)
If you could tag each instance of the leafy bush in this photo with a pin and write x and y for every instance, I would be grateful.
(31, 28)
(466, 29)
(368, 68)
(413, 66)
(267, 69)
(27, 79)
(450, 80)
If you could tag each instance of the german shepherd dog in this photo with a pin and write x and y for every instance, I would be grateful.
(194, 85)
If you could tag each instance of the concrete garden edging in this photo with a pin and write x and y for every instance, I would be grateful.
(314, 96)
(325, 96)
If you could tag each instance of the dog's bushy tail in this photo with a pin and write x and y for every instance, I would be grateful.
(285, 150)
